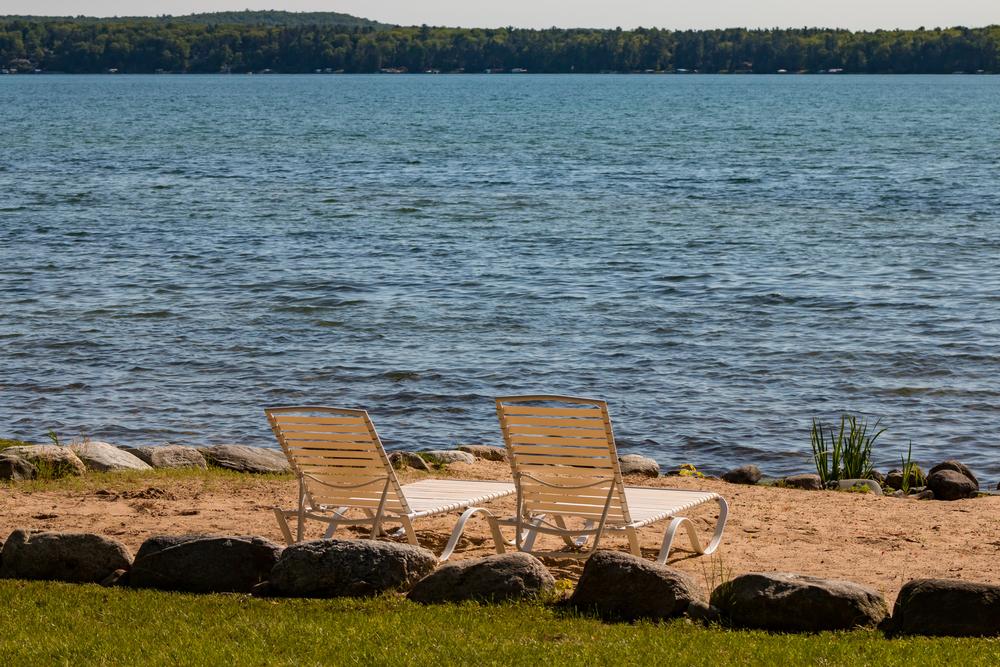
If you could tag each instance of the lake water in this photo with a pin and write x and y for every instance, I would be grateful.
(722, 258)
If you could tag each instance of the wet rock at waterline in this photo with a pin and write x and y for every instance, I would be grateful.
(49, 460)
(857, 486)
(948, 484)
(16, 468)
(401, 460)
(634, 464)
(104, 457)
(169, 456)
(485, 452)
(955, 466)
(809, 482)
(246, 459)
(447, 456)
(749, 474)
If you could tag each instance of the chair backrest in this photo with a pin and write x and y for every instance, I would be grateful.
(338, 456)
(563, 457)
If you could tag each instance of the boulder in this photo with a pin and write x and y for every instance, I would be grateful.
(797, 603)
(749, 474)
(348, 568)
(102, 457)
(485, 452)
(810, 482)
(246, 459)
(956, 466)
(446, 456)
(617, 585)
(400, 460)
(158, 543)
(16, 468)
(497, 578)
(633, 464)
(169, 456)
(948, 484)
(856, 485)
(49, 460)
(207, 565)
(73, 557)
(947, 607)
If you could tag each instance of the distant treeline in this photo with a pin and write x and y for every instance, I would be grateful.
(142, 45)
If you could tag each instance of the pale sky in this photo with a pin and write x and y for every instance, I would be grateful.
(853, 14)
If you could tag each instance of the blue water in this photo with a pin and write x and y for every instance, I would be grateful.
(722, 258)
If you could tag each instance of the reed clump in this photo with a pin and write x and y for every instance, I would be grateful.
(844, 452)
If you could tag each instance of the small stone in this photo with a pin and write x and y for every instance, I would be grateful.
(49, 460)
(863, 485)
(947, 607)
(72, 557)
(634, 464)
(926, 494)
(117, 578)
(16, 468)
(703, 612)
(807, 481)
(447, 456)
(169, 456)
(955, 466)
(246, 459)
(103, 457)
(349, 568)
(618, 585)
(947, 484)
(401, 459)
(748, 474)
(513, 576)
(898, 493)
(485, 452)
(787, 602)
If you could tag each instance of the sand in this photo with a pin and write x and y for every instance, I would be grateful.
(878, 541)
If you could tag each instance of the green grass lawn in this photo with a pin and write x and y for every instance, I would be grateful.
(45, 623)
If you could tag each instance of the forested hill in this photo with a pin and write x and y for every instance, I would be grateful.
(176, 45)
(246, 17)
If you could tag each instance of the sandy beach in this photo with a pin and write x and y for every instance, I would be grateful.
(879, 541)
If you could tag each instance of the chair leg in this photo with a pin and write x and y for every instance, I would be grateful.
(332, 528)
(456, 534)
(677, 522)
(286, 531)
(561, 522)
(411, 535)
(633, 541)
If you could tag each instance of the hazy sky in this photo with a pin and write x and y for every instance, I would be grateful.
(854, 14)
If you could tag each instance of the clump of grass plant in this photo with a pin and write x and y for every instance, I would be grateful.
(689, 470)
(844, 453)
(912, 474)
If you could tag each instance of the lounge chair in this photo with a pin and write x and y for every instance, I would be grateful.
(342, 468)
(562, 453)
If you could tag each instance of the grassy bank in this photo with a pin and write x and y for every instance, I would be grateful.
(49, 623)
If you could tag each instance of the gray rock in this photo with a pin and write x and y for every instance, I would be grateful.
(926, 494)
(207, 565)
(898, 493)
(894, 480)
(633, 464)
(49, 460)
(73, 557)
(808, 481)
(117, 578)
(400, 460)
(485, 452)
(798, 603)
(618, 585)
(246, 459)
(158, 543)
(348, 568)
(948, 484)
(947, 608)
(169, 456)
(998, 486)
(749, 474)
(856, 484)
(16, 468)
(956, 466)
(102, 457)
(497, 578)
(446, 456)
